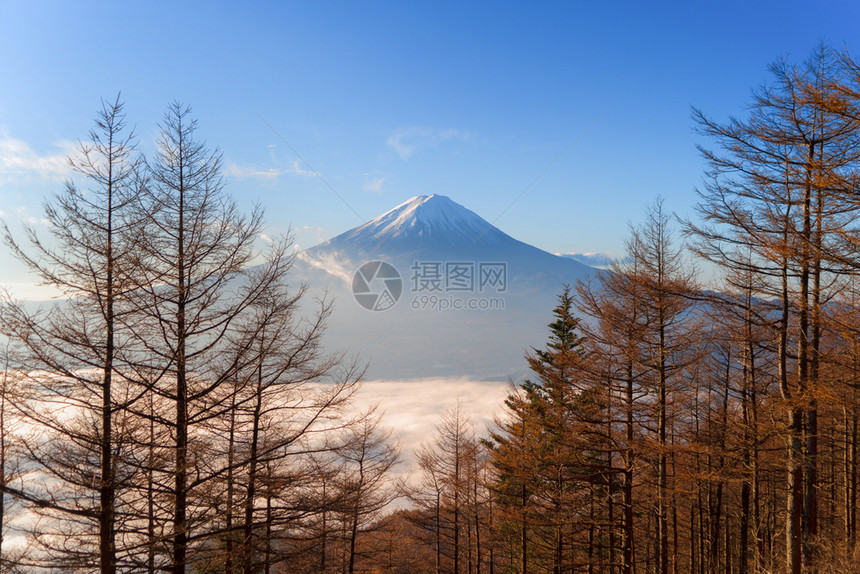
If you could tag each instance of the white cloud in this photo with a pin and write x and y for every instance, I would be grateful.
(593, 258)
(407, 140)
(315, 228)
(330, 264)
(246, 172)
(413, 408)
(32, 291)
(311, 234)
(375, 186)
(297, 169)
(18, 158)
(26, 217)
(22, 215)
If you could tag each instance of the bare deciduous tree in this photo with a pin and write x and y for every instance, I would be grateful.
(72, 353)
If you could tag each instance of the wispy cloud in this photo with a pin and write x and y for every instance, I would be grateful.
(319, 232)
(248, 172)
(330, 264)
(18, 158)
(406, 141)
(307, 235)
(22, 214)
(297, 169)
(592, 258)
(375, 185)
(245, 172)
(31, 291)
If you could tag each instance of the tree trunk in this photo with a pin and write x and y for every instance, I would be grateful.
(107, 490)
(228, 523)
(794, 509)
(629, 532)
(438, 533)
(180, 524)
(524, 534)
(251, 494)
(150, 490)
(477, 527)
(353, 534)
(3, 394)
(662, 485)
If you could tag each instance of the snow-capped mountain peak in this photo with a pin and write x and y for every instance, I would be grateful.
(432, 220)
(430, 211)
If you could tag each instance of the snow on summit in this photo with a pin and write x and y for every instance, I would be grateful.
(431, 219)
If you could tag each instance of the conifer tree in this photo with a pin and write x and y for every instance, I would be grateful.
(541, 454)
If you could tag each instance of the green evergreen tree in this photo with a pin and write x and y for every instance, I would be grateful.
(542, 462)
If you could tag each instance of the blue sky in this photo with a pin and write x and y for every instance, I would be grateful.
(558, 121)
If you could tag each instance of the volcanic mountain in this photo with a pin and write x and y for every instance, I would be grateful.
(431, 289)
(425, 222)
